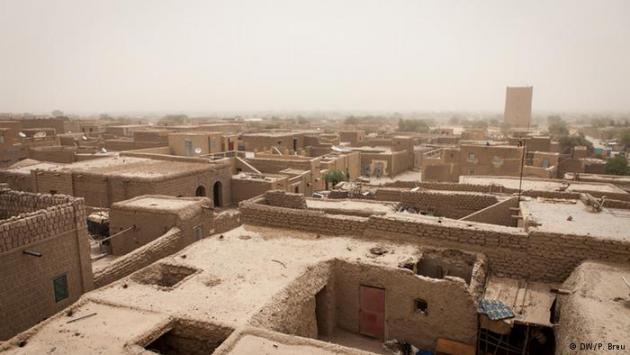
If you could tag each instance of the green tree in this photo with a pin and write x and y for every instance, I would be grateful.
(567, 143)
(333, 177)
(557, 126)
(624, 138)
(413, 125)
(617, 166)
(174, 120)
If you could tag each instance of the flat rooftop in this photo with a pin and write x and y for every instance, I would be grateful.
(352, 205)
(125, 166)
(25, 166)
(168, 203)
(538, 184)
(272, 134)
(374, 149)
(235, 276)
(574, 217)
(258, 177)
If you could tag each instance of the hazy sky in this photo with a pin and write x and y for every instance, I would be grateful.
(134, 55)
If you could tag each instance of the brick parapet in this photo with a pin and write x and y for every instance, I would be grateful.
(511, 251)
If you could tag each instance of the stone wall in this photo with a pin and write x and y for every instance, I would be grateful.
(165, 245)
(54, 227)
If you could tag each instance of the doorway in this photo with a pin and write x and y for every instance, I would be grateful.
(217, 194)
(201, 191)
(372, 311)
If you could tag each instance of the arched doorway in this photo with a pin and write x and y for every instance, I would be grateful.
(201, 191)
(217, 194)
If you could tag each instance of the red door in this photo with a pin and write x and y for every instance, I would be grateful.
(372, 311)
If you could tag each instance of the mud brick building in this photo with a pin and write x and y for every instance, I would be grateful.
(44, 257)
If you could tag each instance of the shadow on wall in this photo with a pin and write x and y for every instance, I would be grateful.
(340, 297)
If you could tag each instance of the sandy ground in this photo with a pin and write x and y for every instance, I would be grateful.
(554, 216)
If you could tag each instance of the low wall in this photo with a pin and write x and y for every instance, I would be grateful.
(226, 220)
(499, 213)
(284, 199)
(167, 244)
(450, 205)
(254, 212)
(511, 252)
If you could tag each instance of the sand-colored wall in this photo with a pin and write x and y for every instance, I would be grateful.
(161, 247)
(452, 313)
(55, 227)
(518, 106)
(150, 224)
(326, 296)
(511, 252)
(499, 213)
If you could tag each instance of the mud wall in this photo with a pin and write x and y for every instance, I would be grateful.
(499, 213)
(450, 205)
(326, 296)
(451, 311)
(285, 199)
(301, 219)
(165, 245)
(54, 227)
(293, 310)
(227, 220)
(511, 252)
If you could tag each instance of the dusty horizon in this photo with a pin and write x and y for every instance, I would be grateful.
(220, 56)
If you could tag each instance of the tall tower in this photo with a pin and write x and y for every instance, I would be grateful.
(518, 106)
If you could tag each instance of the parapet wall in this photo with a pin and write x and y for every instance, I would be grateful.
(227, 220)
(255, 212)
(167, 244)
(511, 252)
(284, 199)
(454, 186)
(450, 205)
(29, 218)
(499, 213)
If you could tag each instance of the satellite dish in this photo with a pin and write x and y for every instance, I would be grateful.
(103, 150)
(198, 150)
(21, 134)
(84, 138)
(41, 134)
